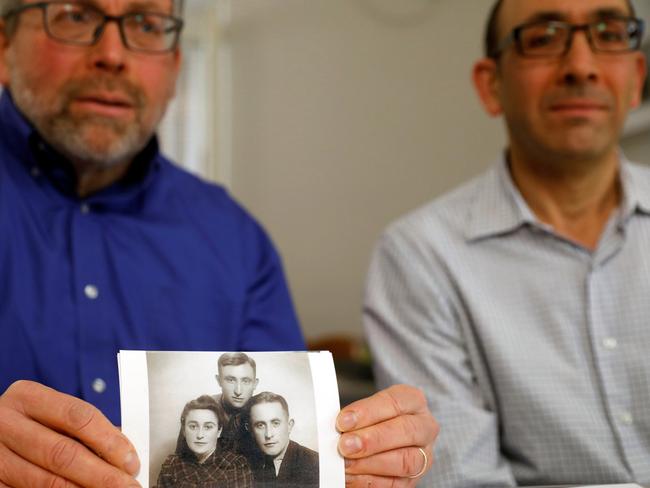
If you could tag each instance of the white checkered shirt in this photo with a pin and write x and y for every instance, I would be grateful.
(534, 352)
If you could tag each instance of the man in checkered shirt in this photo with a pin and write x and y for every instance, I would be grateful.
(520, 301)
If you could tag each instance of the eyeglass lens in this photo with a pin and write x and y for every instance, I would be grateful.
(83, 24)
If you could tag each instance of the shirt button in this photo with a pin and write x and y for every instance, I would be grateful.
(99, 385)
(91, 291)
(85, 208)
(610, 343)
(626, 418)
(35, 172)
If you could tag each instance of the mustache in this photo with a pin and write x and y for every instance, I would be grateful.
(103, 84)
(586, 92)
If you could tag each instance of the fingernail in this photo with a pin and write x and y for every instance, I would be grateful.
(350, 444)
(132, 463)
(348, 421)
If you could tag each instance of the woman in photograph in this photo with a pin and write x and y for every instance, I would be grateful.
(198, 460)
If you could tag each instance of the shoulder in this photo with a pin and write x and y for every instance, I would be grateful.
(170, 464)
(304, 453)
(440, 224)
(208, 207)
(232, 458)
(186, 188)
(171, 459)
(637, 170)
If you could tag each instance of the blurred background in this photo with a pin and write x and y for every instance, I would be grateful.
(328, 119)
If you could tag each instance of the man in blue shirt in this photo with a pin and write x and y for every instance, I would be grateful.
(107, 245)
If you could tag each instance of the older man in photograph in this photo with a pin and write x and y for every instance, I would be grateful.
(107, 245)
(281, 462)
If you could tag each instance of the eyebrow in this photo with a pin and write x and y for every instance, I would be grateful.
(147, 7)
(142, 6)
(603, 13)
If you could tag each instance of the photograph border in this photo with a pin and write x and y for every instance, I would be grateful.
(134, 394)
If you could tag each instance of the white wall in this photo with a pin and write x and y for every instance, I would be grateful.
(343, 119)
(345, 115)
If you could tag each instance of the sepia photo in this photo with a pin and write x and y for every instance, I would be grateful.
(234, 419)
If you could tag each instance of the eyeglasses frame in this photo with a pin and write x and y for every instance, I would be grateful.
(514, 37)
(118, 19)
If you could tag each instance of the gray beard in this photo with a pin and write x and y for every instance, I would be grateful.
(72, 134)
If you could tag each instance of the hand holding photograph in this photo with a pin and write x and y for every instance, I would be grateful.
(232, 419)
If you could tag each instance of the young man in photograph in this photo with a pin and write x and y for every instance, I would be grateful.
(281, 462)
(237, 379)
(107, 245)
(519, 302)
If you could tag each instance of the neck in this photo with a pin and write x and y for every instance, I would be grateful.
(230, 409)
(576, 198)
(91, 177)
(201, 458)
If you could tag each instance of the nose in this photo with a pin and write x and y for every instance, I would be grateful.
(109, 52)
(267, 433)
(237, 389)
(579, 64)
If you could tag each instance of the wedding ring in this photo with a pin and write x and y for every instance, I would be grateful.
(424, 465)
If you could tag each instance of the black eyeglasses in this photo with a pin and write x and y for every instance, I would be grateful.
(553, 38)
(83, 24)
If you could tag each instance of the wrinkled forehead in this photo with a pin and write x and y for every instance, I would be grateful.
(264, 412)
(243, 370)
(517, 12)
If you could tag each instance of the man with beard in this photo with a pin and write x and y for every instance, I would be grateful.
(106, 245)
(519, 302)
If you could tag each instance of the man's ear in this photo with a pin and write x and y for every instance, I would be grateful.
(641, 72)
(178, 60)
(4, 51)
(291, 422)
(487, 85)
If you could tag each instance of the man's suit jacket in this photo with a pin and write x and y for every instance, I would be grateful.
(299, 469)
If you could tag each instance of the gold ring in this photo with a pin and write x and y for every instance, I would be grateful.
(424, 465)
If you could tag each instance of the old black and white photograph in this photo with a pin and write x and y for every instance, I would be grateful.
(231, 419)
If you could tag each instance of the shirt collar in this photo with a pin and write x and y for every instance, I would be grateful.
(16, 129)
(635, 180)
(497, 206)
(277, 460)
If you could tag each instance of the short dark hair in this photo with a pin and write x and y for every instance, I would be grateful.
(268, 397)
(235, 359)
(6, 6)
(492, 37)
(204, 402)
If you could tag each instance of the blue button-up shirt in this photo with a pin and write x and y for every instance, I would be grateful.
(159, 261)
